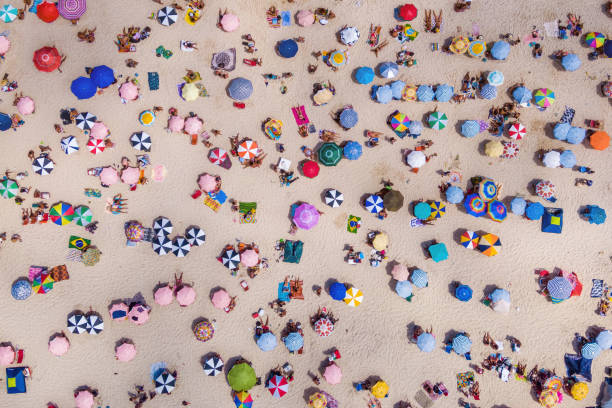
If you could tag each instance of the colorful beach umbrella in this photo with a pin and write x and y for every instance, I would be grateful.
(248, 149)
(8, 13)
(497, 210)
(545, 189)
(595, 39)
(317, 400)
(374, 204)
(474, 205)
(203, 330)
(306, 216)
(243, 399)
(42, 283)
(353, 297)
(437, 120)
(544, 97)
(511, 150)
(71, 9)
(338, 58)
(82, 215)
(489, 244)
(459, 45)
(329, 154)
(8, 188)
(438, 209)
(488, 190)
(469, 239)
(278, 386)
(324, 327)
(517, 131)
(61, 213)
(399, 122)
(477, 48)
(548, 399)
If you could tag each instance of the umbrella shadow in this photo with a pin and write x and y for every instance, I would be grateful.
(363, 199)
(308, 392)
(449, 336)
(86, 388)
(452, 287)
(537, 157)
(488, 289)
(54, 336)
(160, 285)
(138, 298)
(482, 145)
(325, 362)
(8, 344)
(457, 233)
(75, 312)
(531, 186)
(425, 247)
(410, 329)
(116, 302)
(215, 289)
(389, 267)
(122, 341)
(549, 130)
(230, 363)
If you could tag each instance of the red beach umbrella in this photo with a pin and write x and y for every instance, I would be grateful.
(47, 59)
(47, 12)
(407, 12)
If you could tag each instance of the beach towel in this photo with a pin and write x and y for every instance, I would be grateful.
(78, 242)
(578, 367)
(285, 18)
(284, 290)
(598, 288)
(606, 393)
(247, 211)
(35, 271)
(153, 79)
(293, 251)
(353, 224)
(568, 115)
(59, 273)
(299, 113)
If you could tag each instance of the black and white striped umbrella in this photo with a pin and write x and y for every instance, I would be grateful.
(162, 245)
(77, 324)
(180, 247)
(85, 120)
(167, 16)
(213, 366)
(69, 144)
(141, 141)
(334, 198)
(195, 236)
(95, 324)
(165, 383)
(162, 226)
(43, 166)
(230, 259)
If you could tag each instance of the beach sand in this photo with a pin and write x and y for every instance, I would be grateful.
(373, 338)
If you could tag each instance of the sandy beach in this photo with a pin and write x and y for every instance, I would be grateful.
(374, 338)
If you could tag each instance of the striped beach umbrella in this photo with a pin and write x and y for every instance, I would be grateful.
(162, 245)
(95, 146)
(85, 120)
(180, 247)
(437, 120)
(517, 131)
(8, 13)
(374, 204)
(71, 9)
(278, 386)
(595, 39)
(399, 122)
(162, 226)
(69, 144)
(489, 244)
(353, 297)
(248, 149)
(8, 188)
(497, 210)
(82, 215)
(469, 239)
(61, 213)
(474, 205)
(438, 209)
(487, 189)
(195, 236)
(43, 165)
(544, 97)
(42, 283)
(141, 141)
(243, 399)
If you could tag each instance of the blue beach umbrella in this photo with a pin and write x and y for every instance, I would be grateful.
(444, 93)
(571, 62)
(488, 91)
(438, 252)
(604, 340)
(517, 205)
(499, 295)
(426, 342)
(463, 293)
(462, 344)
(397, 87)
(470, 128)
(21, 289)
(474, 205)
(568, 159)
(419, 278)
(534, 211)
(348, 118)
(596, 214)
(590, 351)
(425, 93)
(561, 130)
(454, 195)
(5, 122)
(294, 341)
(415, 128)
(337, 291)
(607, 48)
(267, 342)
(403, 289)
(522, 95)
(559, 289)
(382, 94)
(287, 48)
(495, 78)
(388, 69)
(364, 75)
(83, 87)
(374, 204)
(239, 89)
(576, 135)
(422, 210)
(352, 150)
(500, 50)
(103, 76)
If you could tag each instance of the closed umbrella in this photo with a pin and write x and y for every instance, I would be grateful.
(403, 289)
(444, 93)
(393, 200)
(267, 342)
(567, 159)
(278, 386)
(221, 299)
(426, 342)
(130, 175)
(332, 374)
(103, 75)
(43, 165)
(334, 198)
(164, 295)
(310, 169)
(422, 210)
(83, 87)
(241, 377)
(454, 195)
(324, 327)
(374, 204)
(571, 62)
(518, 205)
(69, 144)
(229, 22)
(599, 140)
(249, 258)
(461, 344)
(337, 291)
(185, 296)
(213, 366)
(489, 245)
(125, 352)
(47, 59)
(388, 69)
(195, 236)
(203, 330)
(364, 75)
(348, 118)
(71, 9)
(416, 159)
(240, 89)
(500, 50)
(329, 154)
(559, 289)
(85, 120)
(180, 247)
(534, 211)
(162, 226)
(306, 216)
(463, 293)
(294, 341)
(305, 18)
(349, 35)
(419, 278)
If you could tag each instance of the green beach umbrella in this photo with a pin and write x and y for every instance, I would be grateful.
(82, 215)
(329, 154)
(8, 13)
(437, 120)
(241, 377)
(8, 188)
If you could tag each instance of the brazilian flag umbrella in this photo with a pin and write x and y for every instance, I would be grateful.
(329, 154)
(241, 377)
(82, 215)
(62, 213)
(8, 188)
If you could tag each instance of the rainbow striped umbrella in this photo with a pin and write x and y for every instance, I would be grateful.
(497, 210)
(43, 283)
(544, 97)
(399, 122)
(595, 39)
(474, 205)
(62, 213)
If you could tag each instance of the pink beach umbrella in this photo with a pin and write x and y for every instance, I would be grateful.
(128, 91)
(7, 355)
(99, 131)
(249, 258)
(84, 399)
(118, 311)
(164, 296)
(25, 105)
(230, 22)
(207, 183)
(125, 352)
(400, 272)
(221, 299)
(333, 374)
(59, 345)
(306, 216)
(305, 18)
(139, 314)
(5, 45)
(109, 176)
(185, 296)
(193, 125)
(130, 175)
(176, 123)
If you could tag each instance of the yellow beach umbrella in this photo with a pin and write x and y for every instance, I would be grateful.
(190, 92)
(494, 148)
(459, 45)
(317, 400)
(380, 241)
(409, 93)
(580, 390)
(380, 389)
(353, 297)
(477, 48)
